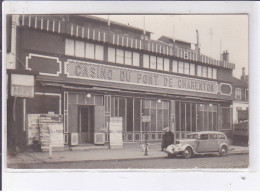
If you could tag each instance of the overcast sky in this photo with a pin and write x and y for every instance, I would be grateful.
(231, 30)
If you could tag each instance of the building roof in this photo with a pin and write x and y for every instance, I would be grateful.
(239, 83)
(162, 38)
(113, 22)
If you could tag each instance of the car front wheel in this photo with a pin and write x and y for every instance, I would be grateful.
(187, 153)
(223, 151)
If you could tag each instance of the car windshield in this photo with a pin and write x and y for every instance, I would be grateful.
(192, 136)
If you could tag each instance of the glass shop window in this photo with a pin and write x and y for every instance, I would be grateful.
(69, 47)
(226, 118)
(153, 115)
(136, 59)
(129, 114)
(188, 116)
(177, 116)
(174, 66)
(42, 104)
(194, 116)
(111, 54)
(183, 116)
(166, 65)
(122, 110)
(137, 114)
(165, 114)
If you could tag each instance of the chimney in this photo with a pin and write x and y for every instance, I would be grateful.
(197, 46)
(243, 77)
(225, 56)
(198, 39)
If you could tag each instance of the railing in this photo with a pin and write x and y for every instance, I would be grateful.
(243, 132)
(138, 136)
(52, 24)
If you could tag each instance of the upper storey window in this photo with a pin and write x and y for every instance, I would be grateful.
(183, 67)
(238, 94)
(84, 50)
(69, 47)
(246, 94)
(207, 72)
(154, 62)
(123, 56)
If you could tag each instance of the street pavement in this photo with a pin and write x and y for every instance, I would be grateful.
(129, 152)
(235, 161)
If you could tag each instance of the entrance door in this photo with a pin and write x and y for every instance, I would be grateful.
(86, 124)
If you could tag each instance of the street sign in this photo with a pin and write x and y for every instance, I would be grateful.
(146, 118)
(22, 85)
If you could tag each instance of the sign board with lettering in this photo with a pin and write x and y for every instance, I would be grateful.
(115, 132)
(51, 131)
(22, 85)
(94, 71)
(33, 130)
(146, 118)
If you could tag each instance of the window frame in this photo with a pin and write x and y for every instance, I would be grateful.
(175, 64)
(194, 69)
(181, 62)
(69, 48)
(184, 68)
(164, 64)
(118, 57)
(214, 73)
(199, 70)
(238, 92)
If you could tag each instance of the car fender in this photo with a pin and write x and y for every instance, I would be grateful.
(183, 147)
(225, 144)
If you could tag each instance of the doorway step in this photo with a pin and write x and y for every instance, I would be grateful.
(86, 147)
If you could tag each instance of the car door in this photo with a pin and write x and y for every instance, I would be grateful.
(213, 142)
(203, 143)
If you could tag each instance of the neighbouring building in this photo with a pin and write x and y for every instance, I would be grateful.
(240, 109)
(90, 69)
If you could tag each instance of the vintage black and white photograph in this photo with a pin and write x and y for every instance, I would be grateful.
(127, 91)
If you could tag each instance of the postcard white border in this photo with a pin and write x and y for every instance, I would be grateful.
(145, 179)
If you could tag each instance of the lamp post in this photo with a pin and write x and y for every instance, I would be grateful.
(146, 119)
(146, 138)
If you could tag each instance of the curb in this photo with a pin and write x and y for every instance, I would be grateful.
(110, 159)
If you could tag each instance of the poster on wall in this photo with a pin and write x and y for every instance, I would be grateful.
(33, 132)
(115, 132)
(51, 131)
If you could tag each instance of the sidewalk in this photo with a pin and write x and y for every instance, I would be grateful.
(127, 153)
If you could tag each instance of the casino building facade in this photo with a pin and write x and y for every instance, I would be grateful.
(90, 69)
